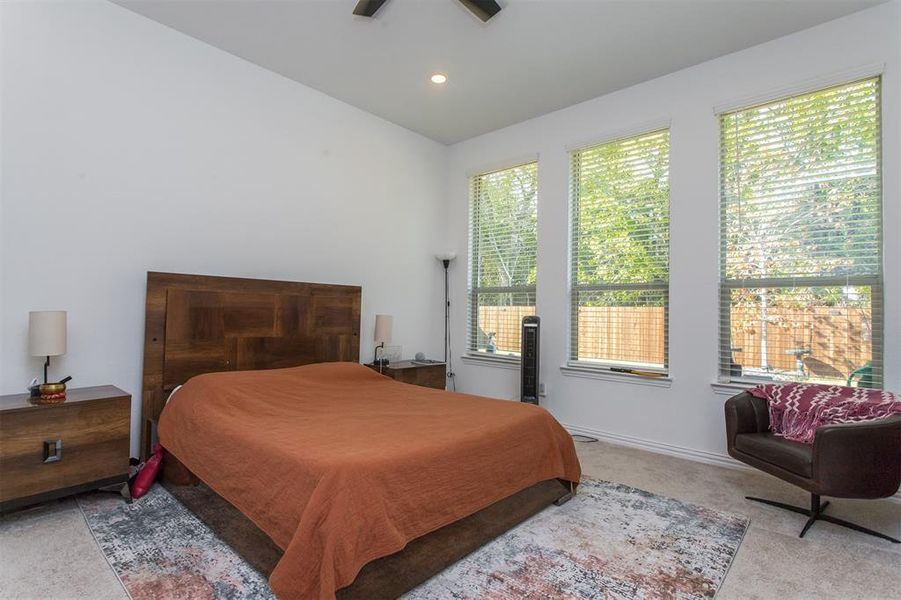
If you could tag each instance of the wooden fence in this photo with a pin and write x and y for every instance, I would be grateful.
(838, 338)
(506, 322)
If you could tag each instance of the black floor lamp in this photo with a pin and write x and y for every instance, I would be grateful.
(446, 260)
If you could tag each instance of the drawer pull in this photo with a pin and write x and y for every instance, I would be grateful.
(53, 451)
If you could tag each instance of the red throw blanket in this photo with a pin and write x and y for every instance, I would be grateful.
(798, 409)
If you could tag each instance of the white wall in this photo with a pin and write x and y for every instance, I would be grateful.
(129, 147)
(689, 415)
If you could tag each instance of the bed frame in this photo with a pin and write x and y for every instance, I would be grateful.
(199, 324)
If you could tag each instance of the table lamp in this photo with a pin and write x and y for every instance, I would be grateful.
(47, 335)
(383, 324)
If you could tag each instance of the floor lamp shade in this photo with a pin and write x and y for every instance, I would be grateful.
(383, 325)
(47, 332)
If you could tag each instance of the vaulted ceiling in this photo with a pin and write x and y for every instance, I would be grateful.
(531, 58)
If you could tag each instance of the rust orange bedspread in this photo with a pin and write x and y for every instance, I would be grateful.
(340, 466)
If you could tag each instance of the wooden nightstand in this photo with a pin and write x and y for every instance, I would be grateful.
(53, 450)
(431, 375)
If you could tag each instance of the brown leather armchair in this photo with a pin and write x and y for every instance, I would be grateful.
(851, 460)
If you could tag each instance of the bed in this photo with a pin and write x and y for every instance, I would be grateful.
(342, 469)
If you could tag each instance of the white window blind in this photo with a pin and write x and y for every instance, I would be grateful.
(801, 238)
(620, 253)
(503, 257)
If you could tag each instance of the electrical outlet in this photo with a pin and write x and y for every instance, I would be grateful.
(542, 389)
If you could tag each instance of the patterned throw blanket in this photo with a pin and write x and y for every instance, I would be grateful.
(798, 409)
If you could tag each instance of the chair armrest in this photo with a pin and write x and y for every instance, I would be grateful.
(858, 460)
(745, 414)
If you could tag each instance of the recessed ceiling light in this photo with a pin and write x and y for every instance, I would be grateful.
(439, 78)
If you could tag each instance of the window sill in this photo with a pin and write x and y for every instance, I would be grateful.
(731, 388)
(607, 375)
(504, 362)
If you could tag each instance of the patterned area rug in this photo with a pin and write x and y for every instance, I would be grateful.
(610, 541)
(159, 549)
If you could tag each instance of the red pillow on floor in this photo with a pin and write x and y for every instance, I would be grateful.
(148, 473)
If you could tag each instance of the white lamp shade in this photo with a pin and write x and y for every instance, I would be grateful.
(47, 332)
(383, 324)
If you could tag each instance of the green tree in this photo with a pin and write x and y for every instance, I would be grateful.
(506, 236)
(801, 202)
(621, 246)
(504, 245)
(622, 218)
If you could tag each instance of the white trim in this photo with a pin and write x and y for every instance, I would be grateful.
(621, 133)
(608, 375)
(804, 86)
(730, 389)
(504, 362)
(701, 456)
(502, 165)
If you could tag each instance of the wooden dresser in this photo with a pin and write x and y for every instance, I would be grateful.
(49, 451)
(406, 371)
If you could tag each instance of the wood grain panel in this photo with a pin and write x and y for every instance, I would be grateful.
(249, 314)
(292, 311)
(433, 376)
(194, 316)
(330, 314)
(95, 444)
(199, 324)
(278, 352)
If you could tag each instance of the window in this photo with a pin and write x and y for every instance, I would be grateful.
(503, 256)
(620, 253)
(801, 238)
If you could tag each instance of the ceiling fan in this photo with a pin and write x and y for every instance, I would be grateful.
(483, 9)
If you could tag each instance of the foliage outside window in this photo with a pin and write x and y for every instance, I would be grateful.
(503, 257)
(801, 238)
(620, 253)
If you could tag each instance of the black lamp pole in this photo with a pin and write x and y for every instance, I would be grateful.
(445, 260)
(446, 263)
(375, 357)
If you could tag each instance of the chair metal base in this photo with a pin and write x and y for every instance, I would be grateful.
(816, 514)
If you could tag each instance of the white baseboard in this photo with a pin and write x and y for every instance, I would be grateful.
(702, 456)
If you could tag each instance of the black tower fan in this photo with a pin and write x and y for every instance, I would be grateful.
(529, 362)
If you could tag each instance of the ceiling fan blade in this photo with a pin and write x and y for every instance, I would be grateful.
(367, 8)
(483, 9)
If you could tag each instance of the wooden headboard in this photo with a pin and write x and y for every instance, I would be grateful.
(201, 324)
